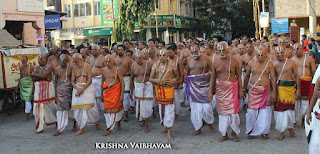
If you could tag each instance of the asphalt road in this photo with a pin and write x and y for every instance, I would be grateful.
(17, 137)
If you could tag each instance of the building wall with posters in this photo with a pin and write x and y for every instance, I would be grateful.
(24, 20)
(82, 15)
(297, 11)
(177, 19)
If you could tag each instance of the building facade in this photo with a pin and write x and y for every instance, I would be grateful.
(305, 13)
(24, 20)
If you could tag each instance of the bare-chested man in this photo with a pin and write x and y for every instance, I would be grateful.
(97, 63)
(178, 87)
(286, 45)
(234, 48)
(241, 50)
(63, 93)
(261, 85)
(185, 53)
(286, 93)
(83, 94)
(306, 69)
(44, 107)
(143, 89)
(84, 55)
(26, 85)
(112, 90)
(162, 76)
(124, 65)
(226, 81)
(198, 81)
(53, 60)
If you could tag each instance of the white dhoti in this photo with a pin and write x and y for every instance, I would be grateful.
(167, 118)
(177, 100)
(144, 100)
(44, 113)
(112, 119)
(186, 101)
(98, 105)
(126, 96)
(314, 144)
(199, 112)
(28, 107)
(44, 106)
(214, 103)
(301, 108)
(86, 117)
(225, 121)
(83, 106)
(62, 118)
(258, 121)
(284, 120)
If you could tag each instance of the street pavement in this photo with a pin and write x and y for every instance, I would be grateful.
(17, 136)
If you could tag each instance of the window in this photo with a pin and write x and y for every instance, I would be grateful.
(97, 8)
(67, 9)
(159, 4)
(82, 9)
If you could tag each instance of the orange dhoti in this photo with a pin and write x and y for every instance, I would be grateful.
(113, 106)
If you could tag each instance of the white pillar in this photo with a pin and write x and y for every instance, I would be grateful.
(312, 20)
(178, 36)
(166, 36)
(148, 34)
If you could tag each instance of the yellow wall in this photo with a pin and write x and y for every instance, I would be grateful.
(165, 7)
(75, 22)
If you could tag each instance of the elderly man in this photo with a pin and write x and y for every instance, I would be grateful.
(97, 62)
(261, 85)
(44, 107)
(286, 45)
(306, 69)
(26, 85)
(285, 69)
(63, 92)
(162, 76)
(124, 65)
(143, 89)
(83, 94)
(226, 81)
(84, 55)
(112, 90)
(198, 81)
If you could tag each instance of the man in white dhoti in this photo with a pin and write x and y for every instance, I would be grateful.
(262, 91)
(162, 76)
(286, 93)
(124, 65)
(83, 95)
(198, 81)
(226, 80)
(178, 87)
(63, 93)
(44, 108)
(112, 91)
(143, 89)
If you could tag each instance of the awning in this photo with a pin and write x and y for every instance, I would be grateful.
(97, 31)
(6, 39)
(49, 12)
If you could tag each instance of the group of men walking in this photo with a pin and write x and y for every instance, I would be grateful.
(208, 77)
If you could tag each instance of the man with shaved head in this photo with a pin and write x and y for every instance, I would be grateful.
(124, 65)
(143, 89)
(97, 63)
(241, 50)
(84, 55)
(63, 93)
(44, 107)
(261, 85)
(112, 92)
(306, 69)
(83, 94)
(26, 85)
(198, 81)
(162, 76)
(227, 85)
(285, 70)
